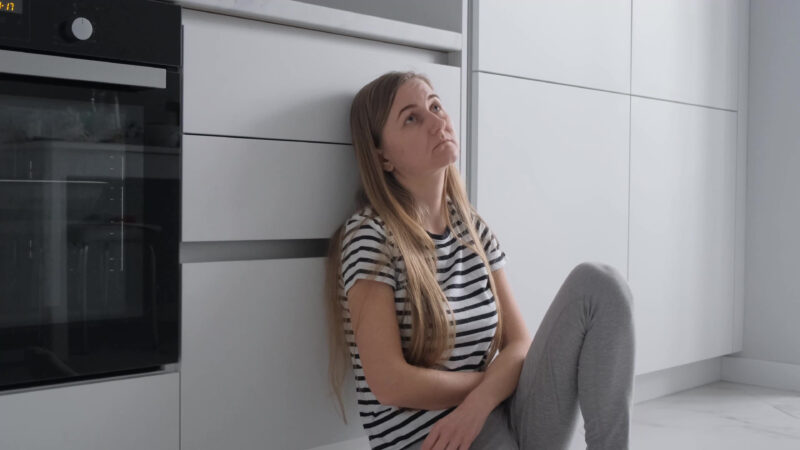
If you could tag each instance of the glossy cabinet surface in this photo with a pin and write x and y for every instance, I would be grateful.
(253, 189)
(552, 181)
(254, 367)
(577, 42)
(249, 78)
(683, 166)
(123, 414)
(687, 51)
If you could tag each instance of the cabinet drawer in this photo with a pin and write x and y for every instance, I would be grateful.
(253, 189)
(254, 362)
(256, 79)
(123, 414)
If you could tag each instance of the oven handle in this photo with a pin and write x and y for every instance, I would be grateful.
(38, 65)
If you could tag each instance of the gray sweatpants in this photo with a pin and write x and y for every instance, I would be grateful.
(583, 352)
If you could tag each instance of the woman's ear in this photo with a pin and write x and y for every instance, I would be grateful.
(385, 164)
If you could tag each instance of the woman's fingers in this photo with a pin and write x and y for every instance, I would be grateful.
(431, 440)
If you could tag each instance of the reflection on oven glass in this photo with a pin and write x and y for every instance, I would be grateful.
(89, 194)
(74, 245)
(103, 119)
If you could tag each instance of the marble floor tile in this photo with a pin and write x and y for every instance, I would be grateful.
(720, 415)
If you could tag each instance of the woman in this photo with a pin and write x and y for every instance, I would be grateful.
(440, 352)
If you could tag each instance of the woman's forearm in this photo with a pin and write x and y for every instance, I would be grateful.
(419, 388)
(501, 377)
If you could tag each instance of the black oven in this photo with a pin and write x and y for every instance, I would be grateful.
(90, 152)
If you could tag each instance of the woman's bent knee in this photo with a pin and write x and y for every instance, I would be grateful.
(602, 279)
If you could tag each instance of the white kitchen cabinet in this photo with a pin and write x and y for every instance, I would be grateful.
(440, 14)
(686, 51)
(411, 24)
(123, 414)
(552, 181)
(254, 363)
(683, 167)
(253, 189)
(578, 42)
(250, 78)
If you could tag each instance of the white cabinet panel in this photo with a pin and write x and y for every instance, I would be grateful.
(687, 51)
(683, 165)
(579, 42)
(254, 362)
(256, 79)
(251, 189)
(552, 181)
(125, 414)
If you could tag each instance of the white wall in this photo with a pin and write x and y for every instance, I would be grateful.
(772, 300)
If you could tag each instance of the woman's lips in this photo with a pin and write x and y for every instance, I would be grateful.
(444, 141)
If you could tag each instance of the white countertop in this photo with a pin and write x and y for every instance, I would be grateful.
(299, 14)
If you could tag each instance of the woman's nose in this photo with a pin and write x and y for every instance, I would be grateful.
(438, 123)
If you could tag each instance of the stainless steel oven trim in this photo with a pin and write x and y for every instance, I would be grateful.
(49, 66)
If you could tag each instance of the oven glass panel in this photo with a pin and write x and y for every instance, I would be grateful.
(89, 211)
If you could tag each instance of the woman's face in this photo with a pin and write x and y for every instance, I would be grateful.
(418, 138)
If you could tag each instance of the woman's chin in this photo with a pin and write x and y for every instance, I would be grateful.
(454, 158)
(450, 152)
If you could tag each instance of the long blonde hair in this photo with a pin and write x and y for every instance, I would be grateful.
(432, 332)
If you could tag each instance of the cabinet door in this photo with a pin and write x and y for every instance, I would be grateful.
(552, 181)
(124, 414)
(579, 42)
(254, 363)
(251, 189)
(683, 165)
(687, 51)
(256, 79)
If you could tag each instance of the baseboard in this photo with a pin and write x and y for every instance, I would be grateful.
(761, 373)
(656, 384)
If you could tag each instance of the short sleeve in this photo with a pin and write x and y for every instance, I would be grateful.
(366, 253)
(495, 255)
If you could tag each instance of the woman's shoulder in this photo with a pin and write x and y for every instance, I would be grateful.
(364, 240)
(364, 221)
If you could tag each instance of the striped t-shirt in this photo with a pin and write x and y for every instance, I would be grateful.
(464, 280)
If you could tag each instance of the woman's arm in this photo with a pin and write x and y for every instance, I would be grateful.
(420, 388)
(395, 382)
(392, 380)
(502, 375)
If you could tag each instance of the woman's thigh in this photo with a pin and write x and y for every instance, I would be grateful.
(583, 352)
(496, 433)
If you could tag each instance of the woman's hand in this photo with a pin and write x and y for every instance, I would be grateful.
(457, 430)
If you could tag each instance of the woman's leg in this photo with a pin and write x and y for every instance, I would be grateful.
(495, 434)
(582, 352)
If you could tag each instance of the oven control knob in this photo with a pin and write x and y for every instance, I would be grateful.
(81, 29)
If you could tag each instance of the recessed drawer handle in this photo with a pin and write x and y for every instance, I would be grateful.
(49, 66)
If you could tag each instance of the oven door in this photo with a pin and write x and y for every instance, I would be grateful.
(89, 218)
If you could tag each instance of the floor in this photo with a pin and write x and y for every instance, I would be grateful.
(720, 415)
(716, 416)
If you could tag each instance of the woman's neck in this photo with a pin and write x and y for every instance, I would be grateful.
(428, 194)
(435, 222)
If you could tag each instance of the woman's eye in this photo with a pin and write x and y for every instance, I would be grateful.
(410, 117)
(438, 108)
